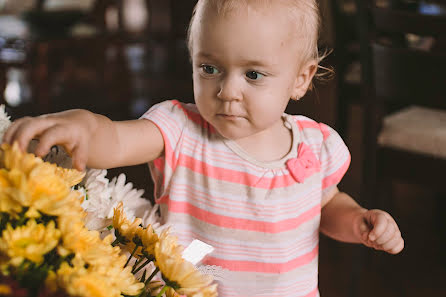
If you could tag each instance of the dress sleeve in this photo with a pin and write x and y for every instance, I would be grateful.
(334, 158)
(171, 120)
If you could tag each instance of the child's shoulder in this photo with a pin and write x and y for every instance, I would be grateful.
(325, 142)
(313, 130)
(175, 109)
(177, 106)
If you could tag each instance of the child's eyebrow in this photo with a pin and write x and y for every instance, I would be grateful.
(242, 62)
(205, 55)
(255, 63)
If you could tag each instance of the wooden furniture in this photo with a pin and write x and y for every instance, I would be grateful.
(397, 75)
(403, 88)
(346, 60)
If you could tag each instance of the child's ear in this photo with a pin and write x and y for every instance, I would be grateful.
(304, 78)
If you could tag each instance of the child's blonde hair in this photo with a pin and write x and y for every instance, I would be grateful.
(304, 12)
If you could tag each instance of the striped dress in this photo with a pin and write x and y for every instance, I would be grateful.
(261, 218)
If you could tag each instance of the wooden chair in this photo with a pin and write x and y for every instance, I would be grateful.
(346, 60)
(398, 76)
(403, 61)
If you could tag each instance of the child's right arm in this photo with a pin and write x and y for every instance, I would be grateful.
(91, 139)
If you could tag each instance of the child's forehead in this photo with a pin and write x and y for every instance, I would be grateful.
(299, 19)
(254, 39)
(224, 8)
(293, 17)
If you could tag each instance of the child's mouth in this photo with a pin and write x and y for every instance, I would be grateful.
(229, 116)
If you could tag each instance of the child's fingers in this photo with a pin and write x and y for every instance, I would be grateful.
(25, 129)
(398, 248)
(54, 135)
(7, 137)
(80, 155)
(387, 235)
(380, 222)
(364, 227)
(393, 244)
(11, 133)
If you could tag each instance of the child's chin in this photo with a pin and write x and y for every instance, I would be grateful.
(231, 134)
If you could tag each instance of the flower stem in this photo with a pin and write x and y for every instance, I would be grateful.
(131, 256)
(136, 263)
(142, 266)
(163, 290)
(115, 242)
(152, 275)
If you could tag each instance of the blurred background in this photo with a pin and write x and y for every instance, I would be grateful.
(119, 57)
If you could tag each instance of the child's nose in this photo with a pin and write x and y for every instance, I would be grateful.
(230, 89)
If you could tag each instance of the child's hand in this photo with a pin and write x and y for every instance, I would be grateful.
(72, 129)
(379, 230)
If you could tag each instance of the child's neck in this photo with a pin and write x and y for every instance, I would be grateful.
(270, 145)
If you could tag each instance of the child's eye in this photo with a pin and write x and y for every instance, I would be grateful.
(208, 69)
(254, 75)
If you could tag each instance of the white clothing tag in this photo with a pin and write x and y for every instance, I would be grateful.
(196, 251)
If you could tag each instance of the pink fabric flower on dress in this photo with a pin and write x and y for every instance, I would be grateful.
(305, 165)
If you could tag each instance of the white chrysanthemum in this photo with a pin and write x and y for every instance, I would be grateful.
(98, 192)
(134, 204)
(102, 196)
(151, 217)
(4, 121)
(97, 199)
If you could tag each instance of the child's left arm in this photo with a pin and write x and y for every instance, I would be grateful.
(344, 220)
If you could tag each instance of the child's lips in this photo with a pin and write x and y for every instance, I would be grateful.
(229, 116)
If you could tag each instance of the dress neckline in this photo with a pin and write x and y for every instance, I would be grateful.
(280, 163)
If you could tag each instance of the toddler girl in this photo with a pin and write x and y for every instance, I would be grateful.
(233, 170)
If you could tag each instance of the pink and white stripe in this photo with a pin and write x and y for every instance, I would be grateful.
(263, 224)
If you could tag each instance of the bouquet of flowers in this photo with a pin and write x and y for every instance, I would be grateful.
(64, 233)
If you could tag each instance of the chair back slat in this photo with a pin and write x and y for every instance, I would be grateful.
(409, 75)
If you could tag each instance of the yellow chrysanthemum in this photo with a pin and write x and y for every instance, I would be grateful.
(97, 268)
(5, 290)
(70, 225)
(209, 291)
(16, 189)
(172, 293)
(123, 225)
(103, 254)
(43, 182)
(32, 213)
(68, 206)
(8, 203)
(89, 247)
(78, 239)
(121, 278)
(115, 280)
(148, 238)
(178, 273)
(31, 241)
(13, 158)
(71, 176)
(27, 181)
(51, 195)
(82, 282)
(170, 244)
(51, 281)
(4, 182)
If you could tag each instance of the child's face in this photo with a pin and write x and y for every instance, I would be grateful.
(246, 67)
